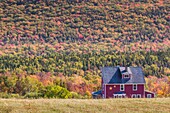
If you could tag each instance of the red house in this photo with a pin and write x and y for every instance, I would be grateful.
(121, 82)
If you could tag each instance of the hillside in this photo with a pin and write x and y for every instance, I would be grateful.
(56, 46)
(159, 105)
(140, 24)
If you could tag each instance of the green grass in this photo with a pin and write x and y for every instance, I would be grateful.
(156, 105)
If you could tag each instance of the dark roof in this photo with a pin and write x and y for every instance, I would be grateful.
(113, 75)
(97, 93)
(120, 92)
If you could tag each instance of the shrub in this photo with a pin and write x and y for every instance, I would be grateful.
(57, 92)
(8, 95)
(33, 95)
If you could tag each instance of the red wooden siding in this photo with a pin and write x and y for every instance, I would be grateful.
(109, 93)
(128, 89)
(149, 93)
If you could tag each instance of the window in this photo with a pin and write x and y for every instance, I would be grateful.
(120, 96)
(126, 76)
(115, 96)
(122, 87)
(138, 95)
(134, 87)
(148, 95)
(133, 95)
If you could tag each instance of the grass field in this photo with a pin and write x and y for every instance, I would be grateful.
(156, 105)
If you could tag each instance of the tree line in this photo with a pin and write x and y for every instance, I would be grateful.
(68, 63)
(76, 75)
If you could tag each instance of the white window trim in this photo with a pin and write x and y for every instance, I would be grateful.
(139, 95)
(133, 96)
(126, 75)
(149, 95)
(123, 87)
(119, 95)
(136, 87)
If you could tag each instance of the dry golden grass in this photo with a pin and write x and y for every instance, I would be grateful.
(156, 105)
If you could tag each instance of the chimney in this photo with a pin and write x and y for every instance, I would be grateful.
(126, 68)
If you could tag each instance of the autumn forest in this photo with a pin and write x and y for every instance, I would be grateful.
(55, 48)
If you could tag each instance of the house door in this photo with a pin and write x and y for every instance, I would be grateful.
(119, 96)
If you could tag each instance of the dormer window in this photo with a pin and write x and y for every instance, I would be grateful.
(126, 76)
